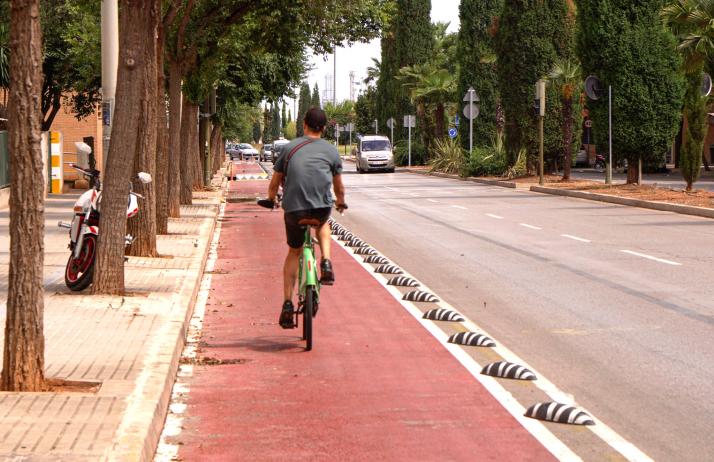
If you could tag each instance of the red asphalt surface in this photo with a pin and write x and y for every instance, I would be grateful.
(376, 386)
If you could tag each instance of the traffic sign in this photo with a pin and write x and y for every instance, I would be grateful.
(409, 121)
(471, 111)
(452, 132)
(457, 120)
(588, 123)
(391, 122)
(468, 97)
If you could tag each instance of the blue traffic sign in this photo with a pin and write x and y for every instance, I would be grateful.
(452, 132)
(456, 120)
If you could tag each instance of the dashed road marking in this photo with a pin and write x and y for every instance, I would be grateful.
(497, 217)
(575, 238)
(526, 225)
(459, 207)
(433, 200)
(650, 257)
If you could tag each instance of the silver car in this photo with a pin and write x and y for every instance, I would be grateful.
(374, 153)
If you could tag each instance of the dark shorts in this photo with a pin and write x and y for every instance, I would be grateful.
(294, 232)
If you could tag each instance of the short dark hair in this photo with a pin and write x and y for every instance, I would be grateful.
(316, 119)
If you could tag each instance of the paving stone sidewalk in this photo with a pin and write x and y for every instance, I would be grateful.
(130, 344)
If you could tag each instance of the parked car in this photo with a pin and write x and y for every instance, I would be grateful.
(245, 151)
(232, 150)
(266, 153)
(374, 153)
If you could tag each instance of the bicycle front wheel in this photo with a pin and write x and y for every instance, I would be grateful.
(307, 315)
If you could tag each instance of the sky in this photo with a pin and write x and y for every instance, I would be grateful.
(359, 57)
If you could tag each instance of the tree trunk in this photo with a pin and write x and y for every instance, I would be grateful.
(633, 170)
(143, 225)
(24, 348)
(439, 128)
(216, 137)
(189, 114)
(199, 143)
(136, 81)
(567, 137)
(174, 141)
(161, 179)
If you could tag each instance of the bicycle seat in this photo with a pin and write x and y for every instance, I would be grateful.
(309, 222)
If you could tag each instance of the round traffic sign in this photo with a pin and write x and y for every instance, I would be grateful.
(452, 132)
(471, 111)
(588, 123)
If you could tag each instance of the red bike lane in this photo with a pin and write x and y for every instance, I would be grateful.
(376, 386)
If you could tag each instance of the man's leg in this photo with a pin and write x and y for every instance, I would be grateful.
(327, 275)
(290, 271)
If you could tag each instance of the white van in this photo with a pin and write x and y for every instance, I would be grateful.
(374, 153)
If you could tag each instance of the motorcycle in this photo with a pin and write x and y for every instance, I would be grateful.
(84, 229)
(600, 163)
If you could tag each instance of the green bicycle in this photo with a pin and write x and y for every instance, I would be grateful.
(308, 279)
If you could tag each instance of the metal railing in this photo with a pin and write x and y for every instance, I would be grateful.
(4, 160)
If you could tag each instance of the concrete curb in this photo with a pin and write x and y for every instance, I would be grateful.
(500, 183)
(661, 206)
(141, 432)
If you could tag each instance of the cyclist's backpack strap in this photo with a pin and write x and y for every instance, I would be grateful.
(290, 155)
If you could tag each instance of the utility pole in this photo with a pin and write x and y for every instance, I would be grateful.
(110, 62)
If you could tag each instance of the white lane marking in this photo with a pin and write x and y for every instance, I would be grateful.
(459, 207)
(414, 195)
(497, 217)
(559, 449)
(526, 225)
(433, 200)
(575, 238)
(650, 257)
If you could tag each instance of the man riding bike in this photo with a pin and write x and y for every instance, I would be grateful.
(307, 168)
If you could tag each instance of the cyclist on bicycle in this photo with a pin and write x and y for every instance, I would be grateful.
(307, 168)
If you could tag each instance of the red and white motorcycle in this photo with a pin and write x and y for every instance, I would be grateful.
(84, 229)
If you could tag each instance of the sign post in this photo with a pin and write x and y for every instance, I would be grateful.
(471, 111)
(540, 104)
(410, 122)
(375, 127)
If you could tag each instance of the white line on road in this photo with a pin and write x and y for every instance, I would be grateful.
(459, 207)
(414, 195)
(650, 257)
(526, 225)
(575, 238)
(433, 200)
(497, 217)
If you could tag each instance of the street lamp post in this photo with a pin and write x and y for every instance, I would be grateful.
(110, 63)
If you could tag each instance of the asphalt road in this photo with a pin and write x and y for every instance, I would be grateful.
(613, 304)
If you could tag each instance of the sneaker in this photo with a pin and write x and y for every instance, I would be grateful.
(327, 276)
(287, 318)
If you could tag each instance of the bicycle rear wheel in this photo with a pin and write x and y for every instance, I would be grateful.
(307, 314)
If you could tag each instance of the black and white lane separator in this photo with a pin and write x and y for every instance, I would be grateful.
(401, 281)
(365, 251)
(491, 383)
(472, 339)
(388, 269)
(507, 370)
(560, 413)
(442, 314)
(420, 296)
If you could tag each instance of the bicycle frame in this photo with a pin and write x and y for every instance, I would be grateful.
(307, 275)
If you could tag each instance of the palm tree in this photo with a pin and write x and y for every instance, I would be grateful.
(373, 71)
(691, 22)
(430, 86)
(567, 76)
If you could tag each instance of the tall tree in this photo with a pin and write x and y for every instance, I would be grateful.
(303, 106)
(315, 100)
(268, 124)
(257, 132)
(366, 110)
(414, 45)
(388, 89)
(633, 52)
(690, 21)
(136, 82)
(283, 116)
(567, 78)
(24, 344)
(477, 68)
(276, 124)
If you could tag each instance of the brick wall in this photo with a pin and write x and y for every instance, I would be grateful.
(76, 130)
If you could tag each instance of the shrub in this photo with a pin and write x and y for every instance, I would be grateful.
(401, 153)
(448, 157)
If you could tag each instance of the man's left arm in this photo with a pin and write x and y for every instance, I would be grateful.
(339, 188)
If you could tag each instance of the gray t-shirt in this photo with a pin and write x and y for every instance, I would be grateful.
(309, 178)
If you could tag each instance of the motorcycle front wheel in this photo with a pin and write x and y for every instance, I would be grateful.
(79, 271)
